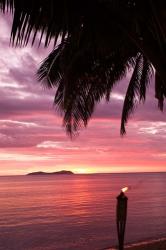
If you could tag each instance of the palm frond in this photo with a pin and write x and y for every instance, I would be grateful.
(116, 69)
(132, 93)
(146, 76)
(82, 78)
(7, 5)
(136, 91)
(35, 18)
(50, 72)
(160, 91)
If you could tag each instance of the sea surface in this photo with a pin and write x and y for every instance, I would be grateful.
(78, 212)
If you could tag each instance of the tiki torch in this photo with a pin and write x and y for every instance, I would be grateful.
(121, 214)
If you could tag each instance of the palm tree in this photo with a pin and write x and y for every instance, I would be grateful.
(95, 44)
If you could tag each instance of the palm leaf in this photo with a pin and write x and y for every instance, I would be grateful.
(132, 93)
(160, 91)
(136, 91)
(147, 73)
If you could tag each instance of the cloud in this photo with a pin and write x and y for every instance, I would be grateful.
(154, 128)
(117, 96)
(22, 157)
(162, 155)
(17, 123)
(57, 145)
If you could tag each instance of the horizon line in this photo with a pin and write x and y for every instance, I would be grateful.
(139, 172)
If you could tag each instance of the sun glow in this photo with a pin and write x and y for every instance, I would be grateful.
(81, 171)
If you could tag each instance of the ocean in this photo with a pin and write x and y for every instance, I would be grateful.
(78, 212)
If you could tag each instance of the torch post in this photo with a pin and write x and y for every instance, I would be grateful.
(121, 215)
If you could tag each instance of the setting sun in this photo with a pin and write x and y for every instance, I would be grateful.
(81, 171)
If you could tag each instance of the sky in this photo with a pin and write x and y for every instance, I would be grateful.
(32, 137)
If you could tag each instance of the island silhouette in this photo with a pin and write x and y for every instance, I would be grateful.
(62, 172)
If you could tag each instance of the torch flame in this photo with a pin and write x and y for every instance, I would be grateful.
(124, 189)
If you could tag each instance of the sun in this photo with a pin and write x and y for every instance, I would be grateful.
(81, 171)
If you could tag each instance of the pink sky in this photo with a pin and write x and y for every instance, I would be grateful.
(32, 138)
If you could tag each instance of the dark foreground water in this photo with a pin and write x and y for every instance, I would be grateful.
(78, 212)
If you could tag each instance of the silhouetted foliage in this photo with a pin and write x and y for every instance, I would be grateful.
(96, 42)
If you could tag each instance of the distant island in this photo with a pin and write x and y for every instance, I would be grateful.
(62, 172)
